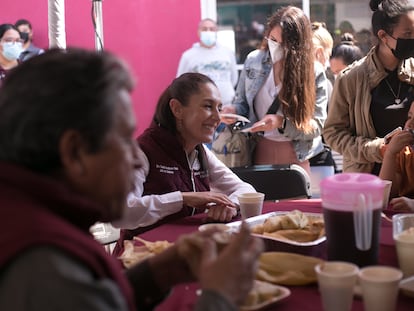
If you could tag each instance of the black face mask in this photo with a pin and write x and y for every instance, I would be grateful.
(404, 48)
(24, 36)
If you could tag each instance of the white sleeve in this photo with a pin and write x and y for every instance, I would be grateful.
(142, 211)
(183, 65)
(223, 180)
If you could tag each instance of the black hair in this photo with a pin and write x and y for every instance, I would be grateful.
(6, 27)
(387, 14)
(347, 50)
(23, 22)
(181, 89)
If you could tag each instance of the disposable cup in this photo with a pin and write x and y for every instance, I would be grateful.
(379, 286)
(403, 234)
(251, 204)
(336, 280)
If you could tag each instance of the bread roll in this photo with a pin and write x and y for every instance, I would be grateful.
(287, 268)
(272, 223)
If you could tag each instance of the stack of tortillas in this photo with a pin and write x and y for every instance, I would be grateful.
(287, 268)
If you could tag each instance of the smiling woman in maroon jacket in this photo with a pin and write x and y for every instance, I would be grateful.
(67, 160)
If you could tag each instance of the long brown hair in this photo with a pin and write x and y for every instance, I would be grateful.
(298, 93)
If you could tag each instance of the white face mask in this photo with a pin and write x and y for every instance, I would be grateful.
(208, 38)
(276, 50)
(12, 50)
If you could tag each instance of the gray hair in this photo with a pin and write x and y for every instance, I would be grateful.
(52, 93)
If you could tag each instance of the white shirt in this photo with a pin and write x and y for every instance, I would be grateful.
(217, 62)
(262, 102)
(146, 210)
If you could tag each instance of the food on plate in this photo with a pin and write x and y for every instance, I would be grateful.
(133, 254)
(297, 235)
(260, 293)
(216, 226)
(287, 268)
(295, 226)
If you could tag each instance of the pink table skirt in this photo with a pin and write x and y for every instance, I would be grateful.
(304, 298)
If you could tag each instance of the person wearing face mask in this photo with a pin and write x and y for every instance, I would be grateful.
(26, 32)
(369, 98)
(344, 54)
(11, 46)
(323, 44)
(283, 91)
(212, 59)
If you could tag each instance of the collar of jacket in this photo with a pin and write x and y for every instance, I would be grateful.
(377, 72)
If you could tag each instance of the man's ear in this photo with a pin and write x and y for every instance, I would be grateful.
(72, 149)
(176, 108)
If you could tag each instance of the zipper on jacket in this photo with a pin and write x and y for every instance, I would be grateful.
(190, 165)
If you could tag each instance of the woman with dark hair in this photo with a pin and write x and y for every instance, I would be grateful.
(283, 87)
(11, 45)
(369, 98)
(344, 54)
(67, 161)
(180, 176)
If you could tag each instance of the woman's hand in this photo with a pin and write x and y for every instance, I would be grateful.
(221, 213)
(402, 204)
(228, 109)
(219, 206)
(268, 123)
(399, 141)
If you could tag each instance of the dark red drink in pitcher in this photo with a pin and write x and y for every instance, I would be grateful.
(352, 204)
(341, 239)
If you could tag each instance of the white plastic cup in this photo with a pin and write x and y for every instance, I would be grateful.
(379, 286)
(251, 204)
(404, 242)
(336, 280)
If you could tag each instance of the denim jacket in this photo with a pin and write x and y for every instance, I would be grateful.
(255, 72)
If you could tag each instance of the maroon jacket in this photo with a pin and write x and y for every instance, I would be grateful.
(169, 171)
(38, 210)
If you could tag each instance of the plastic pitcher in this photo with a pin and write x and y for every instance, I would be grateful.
(352, 204)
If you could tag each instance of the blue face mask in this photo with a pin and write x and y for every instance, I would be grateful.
(12, 50)
(208, 38)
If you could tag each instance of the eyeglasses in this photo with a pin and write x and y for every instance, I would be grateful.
(11, 40)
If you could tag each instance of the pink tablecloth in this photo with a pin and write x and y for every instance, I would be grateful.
(304, 298)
